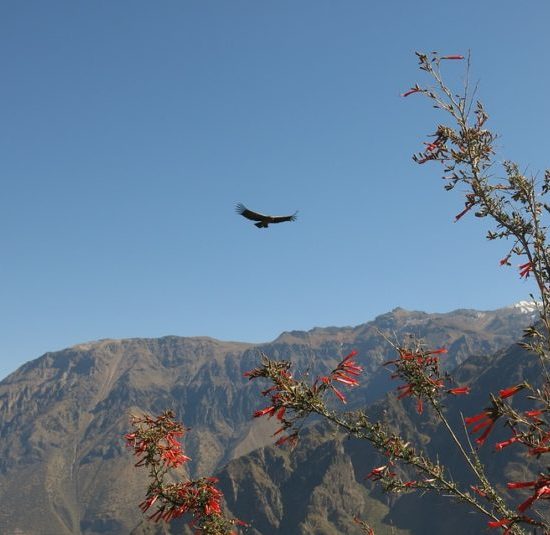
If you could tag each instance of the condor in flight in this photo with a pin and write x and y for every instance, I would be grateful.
(263, 220)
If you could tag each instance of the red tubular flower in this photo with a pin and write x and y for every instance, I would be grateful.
(481, 425)
(378, 473)
(534, 414)
(268, 410)
(499, 523)
(144, 505)
(406, 391)
(456, 56)
(347, 365)
(435, 145)
(484, 420)
(292, 439)
(437, 351)
(520, 484)
(342, 378)
(541, 448)
(323, 379)
(411, 91)
(473, 419)
(525, 269)
(252, 374)
(405, 355)
(345, 373)
(507, 392)
(500, 445)
(212, 507)
(541, 491)
(478, 491)
(350, 355)
(437, 383)
(432, 151)
(459, 390)
(174, 457)
(173, 454)
(339, 394)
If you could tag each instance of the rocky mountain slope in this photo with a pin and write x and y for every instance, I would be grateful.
(63, 465)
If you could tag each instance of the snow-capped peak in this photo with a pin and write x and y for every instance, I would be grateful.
(527, 307)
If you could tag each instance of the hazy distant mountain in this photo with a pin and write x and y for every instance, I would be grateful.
(63, 465)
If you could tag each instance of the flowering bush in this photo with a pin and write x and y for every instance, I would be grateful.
(155, 444)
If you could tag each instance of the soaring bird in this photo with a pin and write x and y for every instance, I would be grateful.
(263, 220)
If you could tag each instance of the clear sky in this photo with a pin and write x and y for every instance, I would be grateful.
(130, 129)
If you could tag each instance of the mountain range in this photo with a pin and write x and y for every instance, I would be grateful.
(64, 468)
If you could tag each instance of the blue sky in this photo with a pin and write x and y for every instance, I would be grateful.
(130, 129)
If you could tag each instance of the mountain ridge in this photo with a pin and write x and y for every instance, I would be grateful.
(524, 307)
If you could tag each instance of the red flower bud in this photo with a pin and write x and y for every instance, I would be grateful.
(507, 392)
(459, 390)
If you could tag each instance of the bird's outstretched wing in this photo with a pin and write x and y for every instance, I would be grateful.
(283, 218)
(263, 220)
(249, 214)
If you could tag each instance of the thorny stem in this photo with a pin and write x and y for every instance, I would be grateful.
(476, 467)
(481, 191)
(515, 208)
(425, 466)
